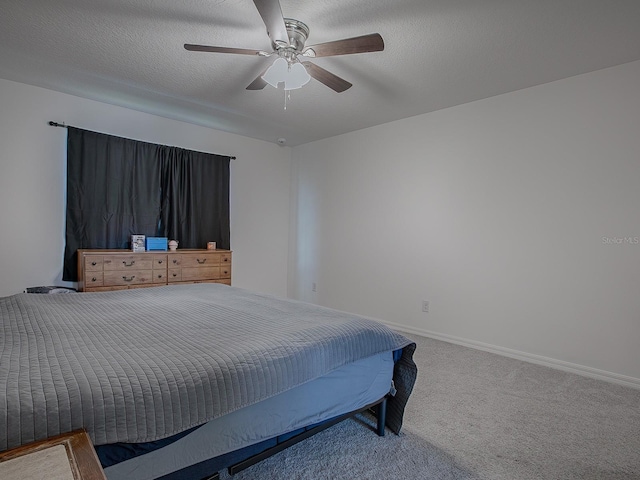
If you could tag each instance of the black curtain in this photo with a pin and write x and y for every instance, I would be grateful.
(118, 187)
(195, 202)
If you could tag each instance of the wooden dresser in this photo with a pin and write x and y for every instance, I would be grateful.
(103, 270)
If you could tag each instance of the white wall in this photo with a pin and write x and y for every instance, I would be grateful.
(32, 185)
(496, 212)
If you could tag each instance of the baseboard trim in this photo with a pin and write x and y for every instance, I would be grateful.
(524, 356)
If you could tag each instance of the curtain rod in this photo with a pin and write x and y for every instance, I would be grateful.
(56, 124)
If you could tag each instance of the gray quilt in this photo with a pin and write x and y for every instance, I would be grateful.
(140, 365)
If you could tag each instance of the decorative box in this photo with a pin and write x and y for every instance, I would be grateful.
(157, 243)
(137, 243)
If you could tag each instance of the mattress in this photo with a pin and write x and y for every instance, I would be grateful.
(343, 390)
(144, 364)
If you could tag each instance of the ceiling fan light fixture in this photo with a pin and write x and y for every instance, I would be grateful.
(293, 75)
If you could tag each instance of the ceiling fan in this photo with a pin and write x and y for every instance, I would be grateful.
(287, 41)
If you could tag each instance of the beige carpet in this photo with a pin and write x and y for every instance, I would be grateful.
(480, 416)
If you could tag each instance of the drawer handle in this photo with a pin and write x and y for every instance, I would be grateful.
(160, 262)
(128, 279)
(93, 263)
(201, 261)
(175, 274)
(94, 279)
(225, 259)
(160, 276)
(175, 261)
(128, 264)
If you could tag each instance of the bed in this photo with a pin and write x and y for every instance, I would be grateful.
(190, 379)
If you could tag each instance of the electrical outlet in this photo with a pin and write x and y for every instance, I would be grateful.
(425, 306)
(314, 287)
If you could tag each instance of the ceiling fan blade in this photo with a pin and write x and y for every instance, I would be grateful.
(366, 43)
(271, 14)
(332, 81)
(258, 83)
(206, 48)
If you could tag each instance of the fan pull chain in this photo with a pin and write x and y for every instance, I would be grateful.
(287, 96)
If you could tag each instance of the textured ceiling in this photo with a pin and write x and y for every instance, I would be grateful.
(438, 53)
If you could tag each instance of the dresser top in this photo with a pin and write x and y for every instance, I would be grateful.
(150, 252)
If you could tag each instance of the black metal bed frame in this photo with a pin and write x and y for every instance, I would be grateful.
(379, 409)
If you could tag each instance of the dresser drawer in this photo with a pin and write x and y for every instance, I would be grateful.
(94, 279)
(93, 263)
(225, 271)
(174, 275)
(195, 260)
(159, 276)
(159, 261)
(127, 262)
(200, 273)
(130, 277)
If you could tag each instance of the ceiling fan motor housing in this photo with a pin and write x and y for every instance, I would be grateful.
(298, 33)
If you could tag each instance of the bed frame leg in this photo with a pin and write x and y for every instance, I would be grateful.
(382, 417)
